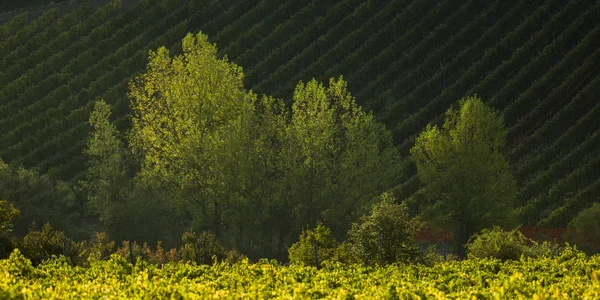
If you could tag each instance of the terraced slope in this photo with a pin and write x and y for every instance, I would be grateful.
(408, 61)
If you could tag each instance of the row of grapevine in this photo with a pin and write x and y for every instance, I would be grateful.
(283, 32)
(375, 42)
(577, 144)
(566, 274)
(309, 26)
(70, 161)
(419, 63)
(26, 32)
(260, 28)
(433, 96)
(453, 92)
(568, 113)
(256, 11)
(476, 16)
(11, 27)
(49, 31)
(54, 56)
(540, 65)
(561, 216)
(99, 82)
(309, 56)
(399, 80)
(39, 98)
(513, 48)
(334, 45)
(312, 29)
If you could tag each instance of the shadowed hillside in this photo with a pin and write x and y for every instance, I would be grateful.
(408, 61)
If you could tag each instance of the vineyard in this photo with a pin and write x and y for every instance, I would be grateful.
(570, 275)
(407, 61)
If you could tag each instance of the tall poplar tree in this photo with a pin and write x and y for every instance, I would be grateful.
(467, 181)
(339, 157)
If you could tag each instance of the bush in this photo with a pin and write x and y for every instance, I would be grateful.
(40, 245)
(387, 235)
(203, 248)
(232, 257)
(303, 251)
(101, 247)
(498, 243)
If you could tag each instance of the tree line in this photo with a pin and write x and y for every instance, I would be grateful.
(203, 154)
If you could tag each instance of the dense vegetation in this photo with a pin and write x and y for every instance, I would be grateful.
(570, 275)
(258, 174)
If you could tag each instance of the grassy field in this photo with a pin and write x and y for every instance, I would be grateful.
(572, 275)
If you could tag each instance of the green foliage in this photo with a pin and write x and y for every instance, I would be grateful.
(320, 239)
(43, 244)
(101, 247)
(41, 199)
(570, 275)
(345, 253)
(386, 235)
(508, 245)
(188, 126)
(498, 243)
(126, 209)
(334, 148)
(7, 213)
(51, 70)
(586, 226)
(467, 183)
(230, 161)
(107, 182)
(202, 248)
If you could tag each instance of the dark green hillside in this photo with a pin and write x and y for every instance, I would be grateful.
(408, 61)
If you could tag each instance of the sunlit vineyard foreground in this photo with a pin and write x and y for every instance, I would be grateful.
(571, 275)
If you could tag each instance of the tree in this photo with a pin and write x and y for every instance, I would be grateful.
(386, 235)
(7, 213)
(467, 183)
(319, 239)
(126, 209)
(333, 151)
(188, 117)
(107, 181)
(249, 169)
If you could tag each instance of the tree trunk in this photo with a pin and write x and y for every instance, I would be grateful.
(461, 241)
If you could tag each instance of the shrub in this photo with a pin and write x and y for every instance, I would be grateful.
(101, 247)
(303, 251)
(232, 257)
(498, 243)
(387, 235)
(203, 248)
(40, 245)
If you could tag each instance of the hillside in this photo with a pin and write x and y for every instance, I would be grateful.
(408, 61)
